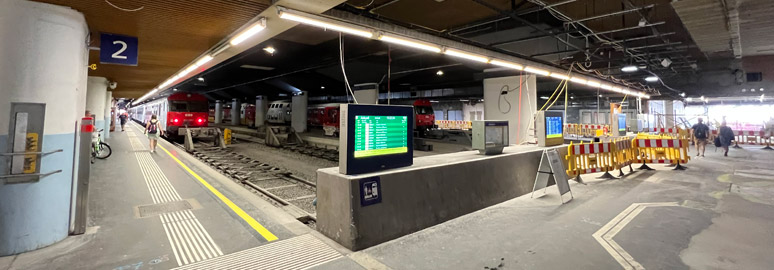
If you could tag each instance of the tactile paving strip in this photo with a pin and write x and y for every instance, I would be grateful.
(301, 252)
(161, 208)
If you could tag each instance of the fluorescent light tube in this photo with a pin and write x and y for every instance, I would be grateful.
(249, 32)
(203, 61)
(578, 80)
(593, 84)
(629, 69)
(606, 87)
(465, 55)
(559, 76)
(537, 71)
(326, 25)
(506, 64)
(410, 43)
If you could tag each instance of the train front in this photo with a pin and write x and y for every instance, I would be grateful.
(189, 111)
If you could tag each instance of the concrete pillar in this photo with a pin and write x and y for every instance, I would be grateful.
(218, 112)
(669, 113)
(366, 93)
(108, 117)
(506, 107)
(235, 109)
(96, 94)
(261, 106)
(42, 63)
(299, 105)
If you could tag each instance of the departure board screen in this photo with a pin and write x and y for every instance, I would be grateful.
(380, 135)
(554, 127)
(622, 123)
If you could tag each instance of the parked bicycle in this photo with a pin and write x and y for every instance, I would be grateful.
(99, 149)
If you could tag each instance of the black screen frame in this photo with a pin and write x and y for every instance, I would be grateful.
(378, 163)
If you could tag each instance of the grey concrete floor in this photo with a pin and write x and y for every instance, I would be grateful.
(722, 218)
(118, 239)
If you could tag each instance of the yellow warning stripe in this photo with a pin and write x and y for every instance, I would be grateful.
(241, 213)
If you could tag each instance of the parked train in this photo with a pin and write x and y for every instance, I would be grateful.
(176, 113)
(327, 115)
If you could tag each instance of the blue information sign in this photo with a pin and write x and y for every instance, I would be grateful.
(370, 191)
(118, 49)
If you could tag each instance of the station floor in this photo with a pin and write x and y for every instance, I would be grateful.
(718, 214)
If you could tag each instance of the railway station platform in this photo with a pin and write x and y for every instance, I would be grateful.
(166, 209)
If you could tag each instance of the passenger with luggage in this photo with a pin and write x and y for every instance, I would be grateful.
(153, 129)
(700, 135)
(725, 136)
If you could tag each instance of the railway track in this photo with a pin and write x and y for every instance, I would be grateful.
(292, 193)
(312, 150)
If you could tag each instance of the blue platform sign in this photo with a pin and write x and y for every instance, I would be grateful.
(118, 49)
(370, 191)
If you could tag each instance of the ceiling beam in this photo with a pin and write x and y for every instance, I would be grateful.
(613, 14)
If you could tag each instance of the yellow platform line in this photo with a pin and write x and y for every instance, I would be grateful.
(241, 213)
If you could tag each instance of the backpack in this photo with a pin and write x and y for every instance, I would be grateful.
(152, 127)
(700, 132)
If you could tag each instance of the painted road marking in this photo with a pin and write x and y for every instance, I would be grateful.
(241, 213)
(189, 240)
(605, 234)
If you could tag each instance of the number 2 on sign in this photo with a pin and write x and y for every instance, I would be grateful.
(117, 54)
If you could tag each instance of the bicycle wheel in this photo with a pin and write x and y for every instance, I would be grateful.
(103, 151)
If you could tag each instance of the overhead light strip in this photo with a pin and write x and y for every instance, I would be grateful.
(358, 31)
(249, 32)
(410, 43)
(466, 55)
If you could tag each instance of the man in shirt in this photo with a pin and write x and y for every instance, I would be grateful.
(700, 135)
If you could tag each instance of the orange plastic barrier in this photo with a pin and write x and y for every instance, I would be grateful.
(589, 158)
(625, 155)
(662, 151)
(675, 133)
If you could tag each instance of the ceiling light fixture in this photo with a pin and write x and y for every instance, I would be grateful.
(363, 32)
(559, 76)
(593, 84)
(469, 56)
(249, 32)
(322, 87)
(629, 68)
(606, 87)
(439, 73)
(682, 94)
(578, 80)
(410, 43)
(201, 79)
(270, 50)
(544, 97)
(537, 71)
(506, 64)
(651, 79)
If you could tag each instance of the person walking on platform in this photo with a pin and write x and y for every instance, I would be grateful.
(725, 135)
(153, 129)
(700, 135)
(122, 118)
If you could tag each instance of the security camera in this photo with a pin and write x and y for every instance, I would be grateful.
(113, 85)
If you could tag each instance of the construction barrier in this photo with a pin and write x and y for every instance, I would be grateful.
(662, 151)
(675, 133)
(453, 124)
(749, 137)
(625, 154)
(573, 130)
(589, 158)
(591, 130)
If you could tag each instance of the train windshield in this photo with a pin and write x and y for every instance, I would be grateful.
(188, 106)
(424, 109)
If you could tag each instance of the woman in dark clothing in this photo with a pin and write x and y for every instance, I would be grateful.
(726, 136)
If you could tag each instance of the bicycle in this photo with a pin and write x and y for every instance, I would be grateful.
(99, 149)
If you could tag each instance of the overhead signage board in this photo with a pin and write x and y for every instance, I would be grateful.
(118, 49)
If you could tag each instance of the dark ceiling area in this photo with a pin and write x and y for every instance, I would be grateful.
(666, 39)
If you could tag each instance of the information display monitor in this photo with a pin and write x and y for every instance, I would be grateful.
(549, 126)
(375, 137)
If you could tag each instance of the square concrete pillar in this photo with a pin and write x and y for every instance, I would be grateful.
(499, 106)
(261, 106)
(366, 93)
(298, 116)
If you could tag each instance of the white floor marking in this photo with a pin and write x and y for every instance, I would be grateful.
(189, 240)
(605, 234)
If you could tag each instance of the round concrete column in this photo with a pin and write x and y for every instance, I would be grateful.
(218, 112)
(42, 67)
(108, 115)
(261, 105)
(96, 94)
(235, 109)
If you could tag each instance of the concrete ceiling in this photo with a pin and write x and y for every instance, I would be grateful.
(171, 34)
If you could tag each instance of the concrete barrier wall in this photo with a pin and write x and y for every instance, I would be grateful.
(436, 189)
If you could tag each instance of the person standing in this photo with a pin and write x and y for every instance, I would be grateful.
(726, 135)
(700, 135)
(153, 129)
(122, 118)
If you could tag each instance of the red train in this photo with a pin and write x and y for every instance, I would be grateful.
(327, 116)
(176, 113)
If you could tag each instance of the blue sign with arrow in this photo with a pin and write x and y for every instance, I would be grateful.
(118, 49)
